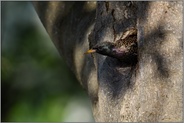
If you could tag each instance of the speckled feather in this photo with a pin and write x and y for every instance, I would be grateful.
(124, 49)
(128, 41)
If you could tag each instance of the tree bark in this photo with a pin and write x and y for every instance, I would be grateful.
(149, 91)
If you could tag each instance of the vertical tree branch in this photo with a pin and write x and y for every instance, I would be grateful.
(149, 91)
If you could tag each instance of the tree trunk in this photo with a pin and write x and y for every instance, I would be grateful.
(149, 91)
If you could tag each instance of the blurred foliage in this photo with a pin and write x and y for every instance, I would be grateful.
(36, 83)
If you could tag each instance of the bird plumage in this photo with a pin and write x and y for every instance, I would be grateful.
(128, 41)
(124, 49)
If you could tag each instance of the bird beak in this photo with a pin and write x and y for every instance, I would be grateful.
(90, 51)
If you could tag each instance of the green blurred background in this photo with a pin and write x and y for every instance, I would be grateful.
(35, 81)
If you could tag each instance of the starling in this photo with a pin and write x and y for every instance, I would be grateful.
(124, 49)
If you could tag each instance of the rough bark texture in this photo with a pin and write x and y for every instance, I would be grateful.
(149, 91)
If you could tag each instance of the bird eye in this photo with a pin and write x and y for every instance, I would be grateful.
(100, 48)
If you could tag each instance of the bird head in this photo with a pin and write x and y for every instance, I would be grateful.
(104, 48)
